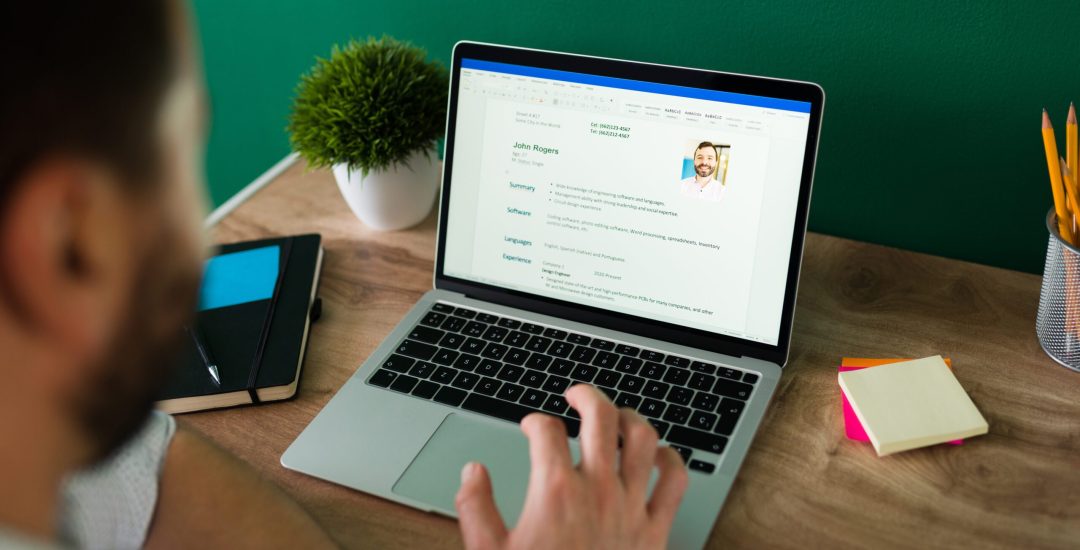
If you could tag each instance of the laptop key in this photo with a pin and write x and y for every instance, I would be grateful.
(652, 408)
(450, 396)
(487, 318)
(703, 420)
(653, 370)
(533, 379)
(583, 354)
(433, 319)
(750, 378)
(700, 366)
(677, 377)
(650, 355)
(623, 349)
(702, 466)
(677, 414)
(728, 413)
(404, 383)
(702, 381)
(631, 383)
(494, 351)
(445, 357)
(509, 323)
(676, 361)
(654, 389)
(578, 339)
(473, 346)
(383, 378)
(466, 313)
(465, 380)
(511, 373)
(444, 375)
(555, 404)
(419, 350)
(556, 384)
(628, 365)
(660, 426)
(606, 345)
(555, 333)
(705, 401)
(538, 361)
(561, 349)
(628, 400)
(539, 344)
(684, 452)
(427, 335)
(533, 398)
(442, 308)
(422, 369)
(730, 388)
(426, 389)
(697, 439)
(517, 339)
(487, 386)
(515, 356)
(561, 367)
(510, 392)
(495, 334)
(605, 360)
(488, 367)
(583, 372)
(397, 363)
(607, 379)
(680, 395)
(467, 362)
(474, 328)
(454, 324)
(532, 328)
(729, 373)
(452, 341)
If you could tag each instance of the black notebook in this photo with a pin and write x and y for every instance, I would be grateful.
(257, 345)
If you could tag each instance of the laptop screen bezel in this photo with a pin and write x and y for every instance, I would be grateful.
(697, 78)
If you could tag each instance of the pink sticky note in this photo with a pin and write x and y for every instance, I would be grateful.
(852, 427)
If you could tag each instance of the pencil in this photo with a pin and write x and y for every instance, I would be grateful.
(1056, 186)
(1070, 156)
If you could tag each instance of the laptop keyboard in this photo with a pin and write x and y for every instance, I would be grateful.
(507, 369)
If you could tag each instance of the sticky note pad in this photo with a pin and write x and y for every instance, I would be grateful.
(239, 277)
(852, 427)
(912, 404)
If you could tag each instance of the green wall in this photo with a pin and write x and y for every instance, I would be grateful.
(930, 138)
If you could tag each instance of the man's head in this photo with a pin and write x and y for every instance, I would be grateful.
(100, 195)
(705, 159)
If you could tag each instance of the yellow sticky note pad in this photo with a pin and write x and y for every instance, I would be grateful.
(911, 404)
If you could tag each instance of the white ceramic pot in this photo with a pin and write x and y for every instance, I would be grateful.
(395, 198)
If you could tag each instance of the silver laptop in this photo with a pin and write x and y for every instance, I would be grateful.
(633, 226)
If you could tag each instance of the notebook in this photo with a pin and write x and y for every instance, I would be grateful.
(912, 404)
(255, 306)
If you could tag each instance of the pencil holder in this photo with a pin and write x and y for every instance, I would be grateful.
(1058, 322)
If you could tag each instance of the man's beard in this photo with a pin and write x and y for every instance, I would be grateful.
(704, 170)
(118, 394)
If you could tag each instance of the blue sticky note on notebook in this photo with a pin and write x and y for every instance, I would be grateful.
(239, 277)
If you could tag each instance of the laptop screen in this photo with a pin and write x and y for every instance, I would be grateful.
(666, 202)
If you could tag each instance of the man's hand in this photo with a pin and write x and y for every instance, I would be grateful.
(601, 503)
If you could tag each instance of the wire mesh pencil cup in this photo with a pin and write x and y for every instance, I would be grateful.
(1058, 322)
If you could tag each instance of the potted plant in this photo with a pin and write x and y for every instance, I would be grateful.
(373, 112)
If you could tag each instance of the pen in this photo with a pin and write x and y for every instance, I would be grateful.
(215, 376)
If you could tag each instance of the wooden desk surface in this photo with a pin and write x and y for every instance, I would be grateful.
(803, 483)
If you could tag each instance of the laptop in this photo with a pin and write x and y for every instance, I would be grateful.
(634, 226)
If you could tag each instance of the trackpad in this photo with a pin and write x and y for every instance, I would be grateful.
(435, 474)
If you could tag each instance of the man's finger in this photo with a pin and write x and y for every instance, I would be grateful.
(599, 436)
(548, 447)
(481, 525)
(638, 453)
(669, 488)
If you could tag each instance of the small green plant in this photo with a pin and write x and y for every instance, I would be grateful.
(370, 105)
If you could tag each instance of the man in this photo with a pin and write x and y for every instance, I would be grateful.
(101, 131)
(703, 184)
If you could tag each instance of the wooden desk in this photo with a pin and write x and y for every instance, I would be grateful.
(803, 483)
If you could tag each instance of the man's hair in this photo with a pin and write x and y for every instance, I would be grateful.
(703, 145)
(84, 79)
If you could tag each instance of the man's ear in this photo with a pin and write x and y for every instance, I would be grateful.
(66, 255)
